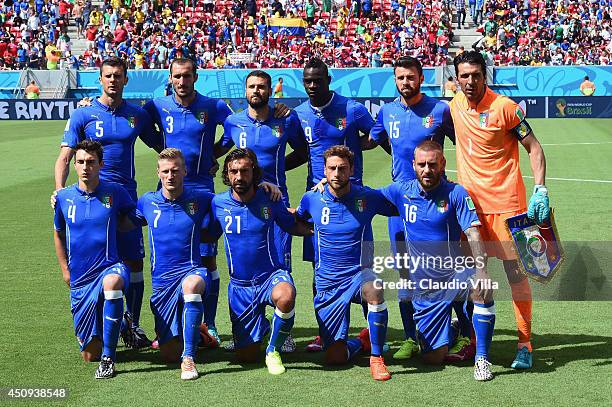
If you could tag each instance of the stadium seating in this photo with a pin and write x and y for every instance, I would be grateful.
(537, 32)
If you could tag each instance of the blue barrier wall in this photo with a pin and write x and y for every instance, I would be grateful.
(534, 107)
(511, 81)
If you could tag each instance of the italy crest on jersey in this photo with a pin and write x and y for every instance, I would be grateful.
(277, 131)
(341, 123)
(192, 208)
(203, 117)
(132, 121)
(360, 204)
(266, 212)
(428, 121)
(484, 119)
(107, 201)
(442, 205)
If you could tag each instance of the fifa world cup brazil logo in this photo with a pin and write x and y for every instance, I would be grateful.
(561, 104)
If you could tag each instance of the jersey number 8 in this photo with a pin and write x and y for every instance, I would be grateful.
(325, 216)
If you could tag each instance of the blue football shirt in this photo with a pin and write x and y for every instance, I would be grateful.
(337, 123)
(174, 232)
(192, 130)
(248, 229)
(267, 139)
(407, 126)
(433, 221)
(90, 224)
(117, 131)
(341, 226)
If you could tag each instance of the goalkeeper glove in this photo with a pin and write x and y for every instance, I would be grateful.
(539, 209)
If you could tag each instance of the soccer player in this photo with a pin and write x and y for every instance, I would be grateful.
(327, 119)
(404, 123)
(87, 215)
(489, 128)
(256, 128)
(116, 124)
(434, 213)
(188, 120)
(342, 217)
(175, 215)
(246, 217)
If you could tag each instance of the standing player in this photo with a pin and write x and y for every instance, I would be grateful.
(327, 119)
(175, 216)
(246, 217)
(188, 120)
(342, 216)
(489, 128)
(115, 124)
(404, 123)
(86, 220)
(256, 128)
(434, 214)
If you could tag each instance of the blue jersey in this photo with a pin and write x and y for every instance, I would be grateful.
(90, 224)
(192, 130)
(248, 229)
(117, 131)
(267, 139)
(341, 226)
(174, 232)
(433, 221)
(407, 126)
(337, 123)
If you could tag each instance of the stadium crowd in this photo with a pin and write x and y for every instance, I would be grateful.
(343, 33)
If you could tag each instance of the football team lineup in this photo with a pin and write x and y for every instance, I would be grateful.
(256, 230)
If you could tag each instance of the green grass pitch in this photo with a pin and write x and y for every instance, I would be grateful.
(572, 340)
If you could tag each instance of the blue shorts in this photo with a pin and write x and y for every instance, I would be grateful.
(333, 307)
(432, 315)
(247, 304)
(433, 323)
(87, 304)
(130, 245)
(167, 306)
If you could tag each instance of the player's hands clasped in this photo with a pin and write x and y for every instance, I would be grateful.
(539, 208)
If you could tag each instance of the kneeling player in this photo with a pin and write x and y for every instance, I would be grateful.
(86, 221)
(342, 216)
(246, 216)
(175, 216)
(435, 212)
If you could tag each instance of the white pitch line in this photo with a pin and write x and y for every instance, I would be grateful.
(598, 181)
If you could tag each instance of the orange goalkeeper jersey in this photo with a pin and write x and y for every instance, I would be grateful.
(488, 152)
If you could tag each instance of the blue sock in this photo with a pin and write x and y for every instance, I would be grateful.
(282, 322)
(211, 300)
(378, 317)
(407, 314)
(465, 325)
(484, 323)
(112, 314)
(133, 296)
(192, 318)
(353, 346)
